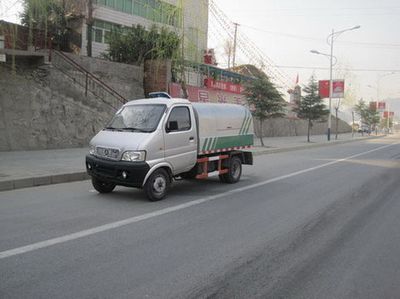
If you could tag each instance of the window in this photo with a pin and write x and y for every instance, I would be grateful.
(107, 36)
(139, 8)
(154, 10)
(181, 116)
(110, 3)
(128, 6)
(102, 31)
(98, 35)
(119, 5)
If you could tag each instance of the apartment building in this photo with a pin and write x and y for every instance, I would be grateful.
(188, 18)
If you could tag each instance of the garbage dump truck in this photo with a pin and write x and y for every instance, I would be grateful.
(151, 142)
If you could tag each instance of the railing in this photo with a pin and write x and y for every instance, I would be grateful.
(87, 80)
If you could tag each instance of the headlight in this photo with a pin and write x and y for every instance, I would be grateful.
(92, 150)
(134, 156)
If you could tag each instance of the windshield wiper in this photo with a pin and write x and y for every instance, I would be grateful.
(113, 129)
(133, 129)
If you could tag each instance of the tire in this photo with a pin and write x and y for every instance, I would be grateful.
(157, 185)
(102, 186)
(235, 171)
(222, 178)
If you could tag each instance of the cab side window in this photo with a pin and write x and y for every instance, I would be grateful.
(179, 120)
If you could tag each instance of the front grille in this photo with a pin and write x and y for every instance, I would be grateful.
(109, 153)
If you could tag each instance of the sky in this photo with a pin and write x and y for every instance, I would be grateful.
(286, 30)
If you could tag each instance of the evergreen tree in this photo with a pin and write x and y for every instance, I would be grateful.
(266, 100)
(311, 106)
(369, 116)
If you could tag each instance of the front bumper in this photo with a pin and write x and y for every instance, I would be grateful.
(111, 171)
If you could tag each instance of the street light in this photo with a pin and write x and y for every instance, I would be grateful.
(330, 39)
(378, 81)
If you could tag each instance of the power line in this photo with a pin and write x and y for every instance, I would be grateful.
(249, 49)
(346, 69)
(336, 8)
(8, 8)
(380, 45)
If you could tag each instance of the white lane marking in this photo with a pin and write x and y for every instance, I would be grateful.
(117, 224)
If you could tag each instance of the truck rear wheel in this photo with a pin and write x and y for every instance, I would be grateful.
(235, 171)
(102, 186)
(157, 185)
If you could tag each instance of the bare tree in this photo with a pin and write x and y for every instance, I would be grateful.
(228, 51)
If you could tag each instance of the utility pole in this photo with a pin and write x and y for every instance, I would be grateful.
(234, 44)
(182, 66)
(337, 120)
(330, 87)
(388, 116)
(89, 23)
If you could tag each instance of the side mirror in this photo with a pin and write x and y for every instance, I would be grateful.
(172, 126)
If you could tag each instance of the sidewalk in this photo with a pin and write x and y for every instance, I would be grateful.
(21, 169)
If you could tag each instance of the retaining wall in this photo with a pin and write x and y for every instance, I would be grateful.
(41, 108)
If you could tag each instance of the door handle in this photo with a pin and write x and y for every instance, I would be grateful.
(191, 138)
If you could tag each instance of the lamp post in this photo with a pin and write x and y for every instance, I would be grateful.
(330, 39)
(378, 81)
(387, 103)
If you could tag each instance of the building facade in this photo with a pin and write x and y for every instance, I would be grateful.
(188, 18)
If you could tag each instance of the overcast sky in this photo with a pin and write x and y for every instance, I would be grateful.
(286, 31)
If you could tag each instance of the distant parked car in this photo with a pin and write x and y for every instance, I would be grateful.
(364, 129)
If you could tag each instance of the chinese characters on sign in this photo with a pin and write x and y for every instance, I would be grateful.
(197, 94)
(337, 89)
(224, 86)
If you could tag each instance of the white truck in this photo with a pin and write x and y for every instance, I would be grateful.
(150, 142)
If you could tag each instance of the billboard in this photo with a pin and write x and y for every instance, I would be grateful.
(386, 113)
(381, 106)
(337, 89)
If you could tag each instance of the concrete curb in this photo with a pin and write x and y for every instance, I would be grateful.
(311, 145)
(81, 176)
(43, 180)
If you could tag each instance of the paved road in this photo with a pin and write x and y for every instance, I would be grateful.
(317, 223)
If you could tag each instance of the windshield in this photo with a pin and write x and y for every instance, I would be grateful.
(142, 118)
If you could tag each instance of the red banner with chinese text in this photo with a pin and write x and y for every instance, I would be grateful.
(337, 87)
(223, 85)
(205, 95)
(386, 113)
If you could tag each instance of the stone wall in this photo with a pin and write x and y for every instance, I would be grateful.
(157, 74)
(41, 108)
(126, 79)
(297, 127)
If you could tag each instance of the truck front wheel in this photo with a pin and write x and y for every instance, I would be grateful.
(157, 185)
(235, 171)
(102, 186)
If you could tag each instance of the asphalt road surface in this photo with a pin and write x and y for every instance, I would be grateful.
(316, 223)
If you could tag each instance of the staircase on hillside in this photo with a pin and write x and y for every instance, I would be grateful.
(87, 80)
